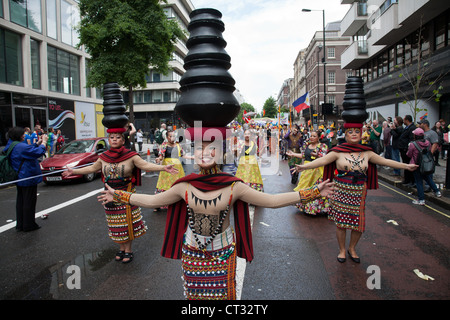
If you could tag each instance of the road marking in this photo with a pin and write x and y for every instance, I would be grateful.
(57, 207)
(440, 212)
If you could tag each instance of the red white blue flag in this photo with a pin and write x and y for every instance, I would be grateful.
(302, 103)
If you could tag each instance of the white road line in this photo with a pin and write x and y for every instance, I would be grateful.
(57, 207)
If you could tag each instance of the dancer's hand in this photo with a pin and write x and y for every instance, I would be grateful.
(297, 168)
(67, 173)
(411, 166)
(326, 188)
(107, 195)
(170, 169)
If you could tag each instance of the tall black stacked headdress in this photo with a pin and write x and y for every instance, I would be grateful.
(114, 108)
(207, 87)
(354, 104)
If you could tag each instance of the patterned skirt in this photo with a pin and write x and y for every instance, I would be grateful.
(125, 222)
(209, 274)
(248, 171)
(347, 207)
(308, 179)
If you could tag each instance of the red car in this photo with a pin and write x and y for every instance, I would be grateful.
(74, 154)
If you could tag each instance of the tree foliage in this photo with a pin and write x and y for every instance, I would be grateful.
(125, 38)
(270, 107)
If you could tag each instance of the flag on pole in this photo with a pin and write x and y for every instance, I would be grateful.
(302, 103)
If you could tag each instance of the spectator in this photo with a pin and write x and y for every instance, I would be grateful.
(59, 140)
(130, 131)
(396, 132)
(413, 154)
(139, 139)
(375, 134)
(438, 129)
(24, 161)
(387, 140)
(430, 135)
(405, 138)
(51, 142)
(28, 136)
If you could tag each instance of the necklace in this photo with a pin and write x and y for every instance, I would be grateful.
(356, 162)
(223, 215)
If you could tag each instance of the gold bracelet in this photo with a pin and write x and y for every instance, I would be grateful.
(309, 194)
(122, 196)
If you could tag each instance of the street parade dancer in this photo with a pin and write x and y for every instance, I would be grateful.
(352, 166)
(311, 151)
(170, 152)
(248, 167)
(198, 229)
(121, 168)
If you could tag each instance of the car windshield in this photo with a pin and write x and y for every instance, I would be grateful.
(77, 146)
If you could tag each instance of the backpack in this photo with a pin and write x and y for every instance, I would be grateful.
(7, 172)
(159, 138)
(425, 161)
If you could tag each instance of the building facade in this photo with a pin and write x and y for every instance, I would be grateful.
(43, 74)
(391, 40)
(324, 82)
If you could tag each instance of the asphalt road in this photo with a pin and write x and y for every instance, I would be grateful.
(295, 254)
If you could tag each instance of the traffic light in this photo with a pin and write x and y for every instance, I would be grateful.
(335, 110)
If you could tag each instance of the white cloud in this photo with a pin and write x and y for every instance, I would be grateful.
(264, 38)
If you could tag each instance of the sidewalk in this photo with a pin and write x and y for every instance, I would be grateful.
(438, 178)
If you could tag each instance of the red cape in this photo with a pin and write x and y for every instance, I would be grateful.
(118, 155)
(177, 217)
(372, 176)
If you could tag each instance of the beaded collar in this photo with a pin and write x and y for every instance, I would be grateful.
(213, 170)
(202, 246)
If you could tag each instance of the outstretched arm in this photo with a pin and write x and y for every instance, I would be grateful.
(261, 199)
(376, 159)
(173, 195)
(86, 170)
(147, 166)
(329, 158)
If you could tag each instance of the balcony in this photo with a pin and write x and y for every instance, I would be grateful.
(358, 53)
(383, 25)
(355, 18)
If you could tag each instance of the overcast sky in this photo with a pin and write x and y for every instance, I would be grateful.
(264, 38)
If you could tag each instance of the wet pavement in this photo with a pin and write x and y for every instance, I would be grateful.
(295, 254)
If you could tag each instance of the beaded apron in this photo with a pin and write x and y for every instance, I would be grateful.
(209, 273)
(347, 207)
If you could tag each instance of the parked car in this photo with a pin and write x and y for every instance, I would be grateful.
(74, 154)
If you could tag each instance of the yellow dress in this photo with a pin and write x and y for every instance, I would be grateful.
(171, 155)
(310, 178)
(248, 168)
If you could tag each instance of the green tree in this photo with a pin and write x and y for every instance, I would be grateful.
(244, 107)
(270, 106)
(125, 38)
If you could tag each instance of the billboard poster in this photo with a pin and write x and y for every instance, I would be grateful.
(85, 120)
(61, 116)
(101, 130)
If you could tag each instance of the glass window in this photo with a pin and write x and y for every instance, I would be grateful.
(331, 52)
(439, 32)
(10, 58)
(27, 13)
(86, 74)
(35, 64)
(70, 17)
(331, 77)
(51, 19)
(63, 71)
(399, 54)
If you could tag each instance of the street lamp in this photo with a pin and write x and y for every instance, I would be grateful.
(324, 54)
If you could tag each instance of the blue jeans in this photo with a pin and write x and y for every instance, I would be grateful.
(396, 156)
(419, 183)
